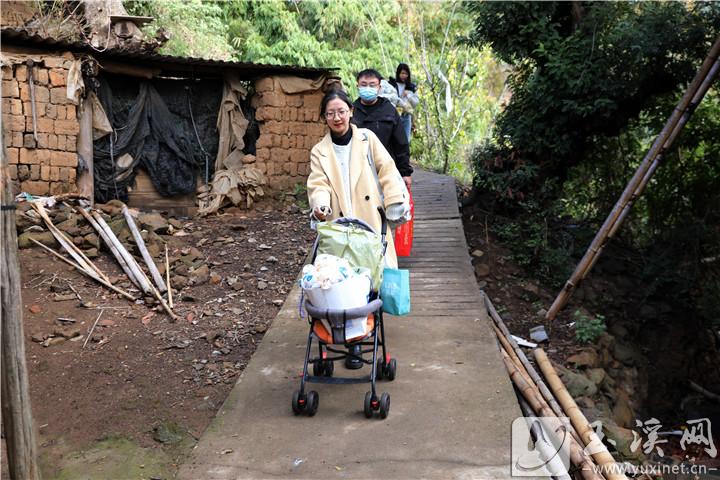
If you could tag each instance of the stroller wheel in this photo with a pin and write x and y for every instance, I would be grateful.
(328, 368)
(368, 408)
(298, 403)
(313, 401)
(391, 369)
(384, 405)
(318, 368)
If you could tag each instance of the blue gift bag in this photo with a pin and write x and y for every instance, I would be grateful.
(395, 291)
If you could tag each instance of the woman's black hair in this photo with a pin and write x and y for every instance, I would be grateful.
(332, 95)
(400, 68)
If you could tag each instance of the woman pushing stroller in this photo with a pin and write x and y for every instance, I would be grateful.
(351, 175)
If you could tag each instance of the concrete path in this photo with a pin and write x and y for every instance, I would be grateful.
(452, 403)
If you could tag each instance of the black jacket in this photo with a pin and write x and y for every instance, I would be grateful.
(383, 120)
(409, 85)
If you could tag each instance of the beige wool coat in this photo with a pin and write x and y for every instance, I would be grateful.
(325, 185)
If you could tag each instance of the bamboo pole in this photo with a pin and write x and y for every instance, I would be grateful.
(67, 244)
(577, 455)
(17, 419)
(660, 145)
(143, 250)
(590, 439)
(109, 243)
(87, 273)
(133, 267)
(167, 275)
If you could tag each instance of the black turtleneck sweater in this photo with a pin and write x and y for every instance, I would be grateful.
(341, 139)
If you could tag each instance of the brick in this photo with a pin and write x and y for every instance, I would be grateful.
(35, 172)
(285, 142)
(42, 124)
(16, 106)
(262, 166)
(35, 187)
(10, 89)
(67, 175)
(294, 100)
(264, 141)
(56, 188)
(14, 123)
(45, 172)
(273, 99)
(7, 73)
(43, 156)
(17, 139)
(60, 112)
(71, 112)
(275, 127)
(27, 156)
(27, 109)
(53, 62)
(67, 127)
(21, 73)
(54, 174)
(280, 155)
(312, 101)
(264, 85)
(42, 94)
(303, 169)
(263, 154)
(51, 111)
(270, 169)
(52, 141)
(61, 142)
(42, 141)
(42, 76)
(23, 172)
(13, 155)
(298, 155)
(312, 115)
(276, 140)
(57, 96)
(297, 128)
(286, 167)
(57, 77)
(13, 172)
(71, 143)
(29, 141)
(63, 159)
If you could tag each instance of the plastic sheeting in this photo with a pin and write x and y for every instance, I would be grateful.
(150, 136)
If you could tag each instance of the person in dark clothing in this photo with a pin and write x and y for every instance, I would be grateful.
(380, 116)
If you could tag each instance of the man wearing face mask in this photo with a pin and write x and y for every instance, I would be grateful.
(380, 116)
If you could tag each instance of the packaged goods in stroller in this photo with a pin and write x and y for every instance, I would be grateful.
(341, 297)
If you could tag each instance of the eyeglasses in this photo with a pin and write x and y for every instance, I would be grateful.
(339, 114)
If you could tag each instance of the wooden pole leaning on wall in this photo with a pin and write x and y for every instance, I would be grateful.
(663, 142)
(17, 417)
(159, 282)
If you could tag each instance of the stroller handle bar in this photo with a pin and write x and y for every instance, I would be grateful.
(383, 218)
(336, 316)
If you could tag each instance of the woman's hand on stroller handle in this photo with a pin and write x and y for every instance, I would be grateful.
(321, 212)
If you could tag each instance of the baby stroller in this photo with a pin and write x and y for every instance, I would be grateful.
(330, 339)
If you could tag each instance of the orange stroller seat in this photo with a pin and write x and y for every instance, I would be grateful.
(324, 335)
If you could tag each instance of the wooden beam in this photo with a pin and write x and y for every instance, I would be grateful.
(16, 411)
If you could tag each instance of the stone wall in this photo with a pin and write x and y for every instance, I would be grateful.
(290, 125)
(47, 166)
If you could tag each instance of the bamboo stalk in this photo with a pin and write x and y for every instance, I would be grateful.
(137, 273)
(663, 141)
(548, 450)
(109, 243)
(143, 250)
(93, 328)
(593, 443)
(167, 275)
(89, 274)
(577, 455)
(67, 244)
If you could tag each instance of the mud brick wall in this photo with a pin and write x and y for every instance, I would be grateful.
(290, 125)
(47, 166)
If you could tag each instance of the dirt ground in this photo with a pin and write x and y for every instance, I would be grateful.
(142, 379)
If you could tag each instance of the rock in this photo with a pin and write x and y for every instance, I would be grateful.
(237, 286)
(153, 222)
(91, 252)
(238, 226)
(597, 375)
(113, 207)
(168, 434)
(215, 279)
(541, 313)
(482, 284)
(175, 223)
(78, 241)
(477, 253)
(532, 291)
(189, 255)
(264, 269)
(120, 229)
(200, 275)
(67, 332)
(622, 412)
(46, 238)
(262, 246)
(482, 269)
(626, 354)
(106, 323)
(35, 309)
(578, 385)
(261, 285)
(622, 439)
(181, 270)
(586, 358)
(271, 259)
(92, 239)
(37, 337)
(68, 224)
(277, 303)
